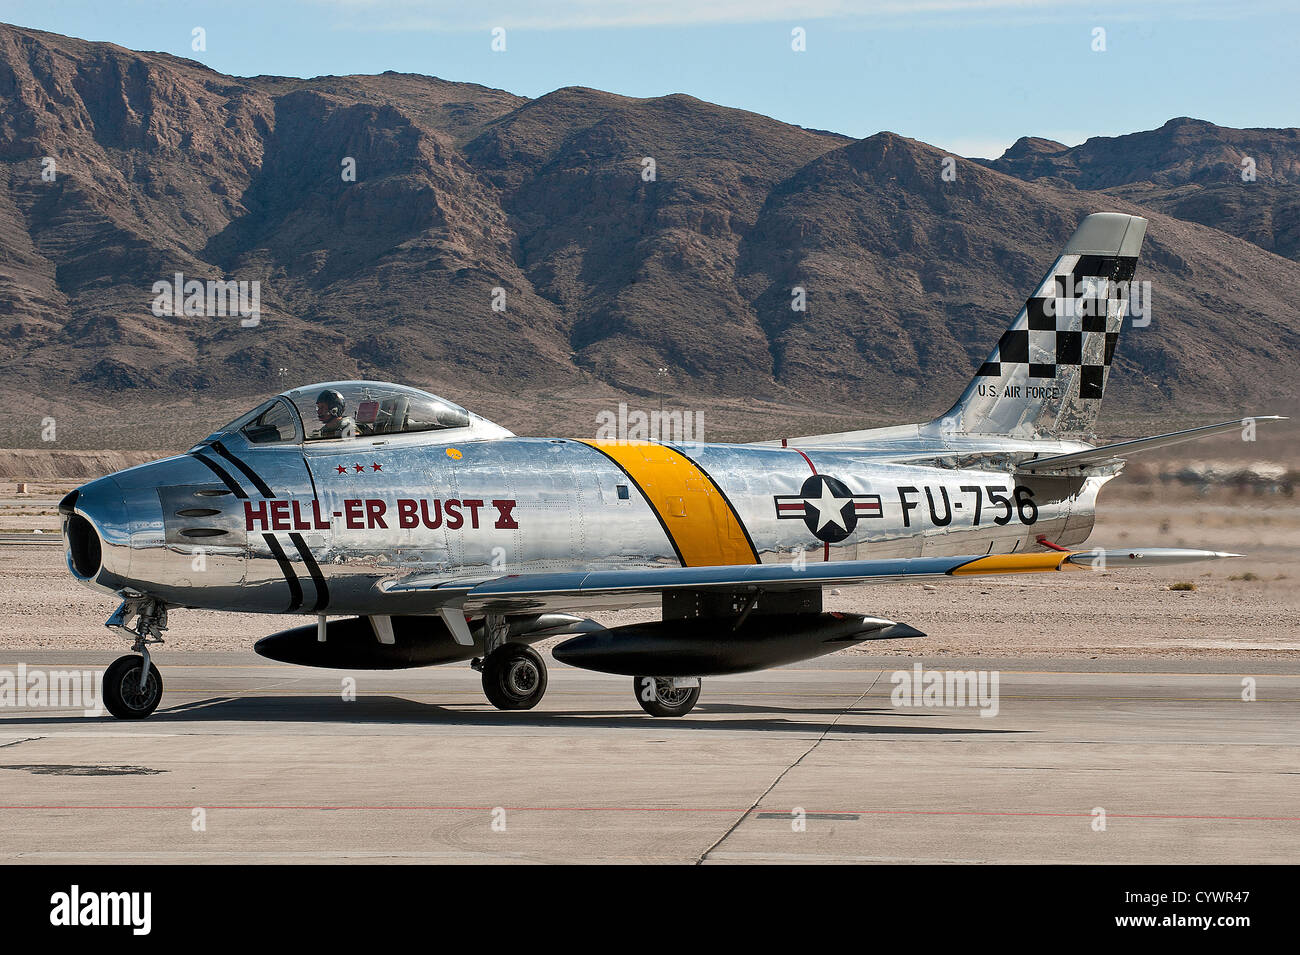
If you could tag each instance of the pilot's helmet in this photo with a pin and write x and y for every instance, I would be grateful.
(332, 399)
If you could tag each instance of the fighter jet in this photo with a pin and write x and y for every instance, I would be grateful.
(416, 533)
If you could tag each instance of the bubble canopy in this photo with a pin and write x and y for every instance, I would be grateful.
(343, 410)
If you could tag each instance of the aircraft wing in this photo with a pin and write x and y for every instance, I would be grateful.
(516, 593)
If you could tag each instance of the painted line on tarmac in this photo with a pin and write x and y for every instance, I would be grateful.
(972, 813)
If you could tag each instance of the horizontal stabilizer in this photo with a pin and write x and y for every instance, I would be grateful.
(1112, 453)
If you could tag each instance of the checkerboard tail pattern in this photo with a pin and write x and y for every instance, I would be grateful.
(1049, 370)
(1069, 328)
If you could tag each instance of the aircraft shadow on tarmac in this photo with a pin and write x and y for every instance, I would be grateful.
(392, 709)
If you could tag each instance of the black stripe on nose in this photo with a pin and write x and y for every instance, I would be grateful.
(286, 568)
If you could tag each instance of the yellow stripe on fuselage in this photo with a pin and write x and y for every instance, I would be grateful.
(1012, 564)
(695, 513)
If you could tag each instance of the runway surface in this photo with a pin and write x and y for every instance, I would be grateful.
(810, 763)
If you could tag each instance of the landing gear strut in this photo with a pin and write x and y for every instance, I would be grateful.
(514, 675)
(666, 696)
(133, 686)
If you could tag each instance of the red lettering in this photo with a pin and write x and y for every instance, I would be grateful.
(279, 515)
(436, 520)
(321, 523)
(375, 514)
(352, 515)
(473, 512)
(505, 520)
(251, 515)
(298, 523)
(406, 516)
(454, 518)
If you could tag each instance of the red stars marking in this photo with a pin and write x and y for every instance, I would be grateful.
(358, 467)
(376, 467)
(342, 469)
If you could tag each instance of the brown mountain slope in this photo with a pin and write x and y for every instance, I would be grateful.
(645, 268)
(608, 274)
(1187, 168)
(947, 257)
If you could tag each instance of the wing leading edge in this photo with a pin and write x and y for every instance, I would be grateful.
(517, 593)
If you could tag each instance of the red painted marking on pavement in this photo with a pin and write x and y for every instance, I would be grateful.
(733, 809)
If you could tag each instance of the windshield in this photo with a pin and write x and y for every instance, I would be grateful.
(273, 425)
(351, 409)
(270, 422)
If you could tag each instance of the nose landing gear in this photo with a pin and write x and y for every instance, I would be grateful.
(133, 686)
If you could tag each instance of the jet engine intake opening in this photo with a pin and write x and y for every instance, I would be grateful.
(84, 549)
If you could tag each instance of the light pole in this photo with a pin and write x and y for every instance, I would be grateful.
(663, 374)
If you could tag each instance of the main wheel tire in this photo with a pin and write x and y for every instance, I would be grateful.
(123, 695)
(514, 677)
(662, 699)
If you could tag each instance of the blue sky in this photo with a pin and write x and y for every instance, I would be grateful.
(966, 75)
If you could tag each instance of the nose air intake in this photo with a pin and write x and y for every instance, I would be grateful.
(85, 553)
(95, 532)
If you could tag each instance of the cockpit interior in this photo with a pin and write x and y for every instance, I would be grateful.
(349, 410)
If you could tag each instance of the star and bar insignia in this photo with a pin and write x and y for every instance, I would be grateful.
(829, 509)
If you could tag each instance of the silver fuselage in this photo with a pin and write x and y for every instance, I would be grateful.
(321, 527)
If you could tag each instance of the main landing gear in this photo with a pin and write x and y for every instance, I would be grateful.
(666, 696)
(514, 674)
(133, 686)
(514, 677)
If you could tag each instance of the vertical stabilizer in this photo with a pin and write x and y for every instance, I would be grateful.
(1048, 372)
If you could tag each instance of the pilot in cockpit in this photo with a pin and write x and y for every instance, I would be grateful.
(334, 423)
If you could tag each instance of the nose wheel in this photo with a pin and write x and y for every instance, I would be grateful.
(132, 687)
(132, 684)
(664, 696)
(514, 677)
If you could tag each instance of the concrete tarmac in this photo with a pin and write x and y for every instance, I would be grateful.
(246, 761)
